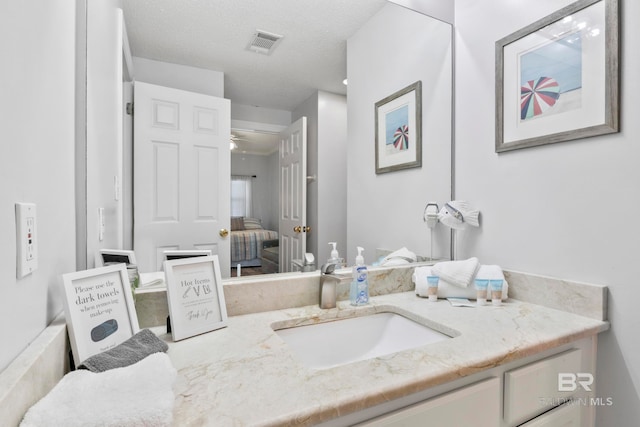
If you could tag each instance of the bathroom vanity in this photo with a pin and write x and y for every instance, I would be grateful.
(500, 367)
(495, 366)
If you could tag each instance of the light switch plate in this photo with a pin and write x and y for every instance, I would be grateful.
(26, 239)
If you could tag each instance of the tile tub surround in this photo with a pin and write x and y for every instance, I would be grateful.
(246, 375)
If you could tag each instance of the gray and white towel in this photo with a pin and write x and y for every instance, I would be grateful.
(133, 350)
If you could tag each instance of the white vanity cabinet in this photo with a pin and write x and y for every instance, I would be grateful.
(567, 415)
(533, 389)
(523, 393)
(475, 405)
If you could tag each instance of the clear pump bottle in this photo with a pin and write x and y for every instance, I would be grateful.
(359, 291)
(334, 258)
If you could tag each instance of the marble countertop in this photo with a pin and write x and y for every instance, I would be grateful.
(246, 375)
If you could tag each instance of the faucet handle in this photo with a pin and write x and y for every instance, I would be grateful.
(328, 268)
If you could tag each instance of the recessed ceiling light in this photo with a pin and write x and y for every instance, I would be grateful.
(344, 82)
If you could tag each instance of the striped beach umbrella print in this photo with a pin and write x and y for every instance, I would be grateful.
(401, 138)
(537, 96)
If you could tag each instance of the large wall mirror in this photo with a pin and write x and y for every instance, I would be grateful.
(323, 43)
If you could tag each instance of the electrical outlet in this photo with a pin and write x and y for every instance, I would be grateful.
(26, 239)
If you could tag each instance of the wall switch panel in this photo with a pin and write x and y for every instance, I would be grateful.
(26, 239)
(116, 188)
(101, 226)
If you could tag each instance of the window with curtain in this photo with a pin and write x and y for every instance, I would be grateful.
(240, 195)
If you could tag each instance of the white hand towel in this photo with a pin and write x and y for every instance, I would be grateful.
(445, 289)
(459, 273)
(137, 395)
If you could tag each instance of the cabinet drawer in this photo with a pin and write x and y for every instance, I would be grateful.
(567, 415)
(529, 390)
(476, 405)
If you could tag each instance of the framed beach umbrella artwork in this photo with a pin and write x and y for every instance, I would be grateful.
(557, 79)
(398, 130)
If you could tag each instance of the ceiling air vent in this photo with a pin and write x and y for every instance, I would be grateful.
(263, 42)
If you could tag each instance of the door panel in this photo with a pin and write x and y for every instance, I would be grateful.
(181, 174)
(293, 194)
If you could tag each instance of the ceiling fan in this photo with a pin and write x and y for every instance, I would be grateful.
(233, 144)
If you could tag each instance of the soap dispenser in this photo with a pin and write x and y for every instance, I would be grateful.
(359, 292)
(334, 258)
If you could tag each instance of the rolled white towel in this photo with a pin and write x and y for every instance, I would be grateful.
(491, 272)
(459, 273)
(137, 395)
(447, 290)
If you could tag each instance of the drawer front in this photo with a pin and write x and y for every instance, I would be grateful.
(534, 388)
(475, 405)
(567, 415)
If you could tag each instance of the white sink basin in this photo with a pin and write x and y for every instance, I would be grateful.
(325, 345)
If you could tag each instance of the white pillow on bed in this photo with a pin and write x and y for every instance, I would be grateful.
(252, 224)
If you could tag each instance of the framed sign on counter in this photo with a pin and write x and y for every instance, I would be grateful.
(114, 256)
(195, 296)
(99, 310)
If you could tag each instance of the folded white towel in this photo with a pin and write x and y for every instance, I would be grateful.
(490, 272)
(447, 290)
(459, 273)
(137, 395)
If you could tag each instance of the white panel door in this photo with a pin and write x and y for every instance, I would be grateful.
(293, 194)
(181, 174)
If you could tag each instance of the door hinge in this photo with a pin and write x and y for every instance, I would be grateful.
(129, 108)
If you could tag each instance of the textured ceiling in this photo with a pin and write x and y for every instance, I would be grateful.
(214, 34)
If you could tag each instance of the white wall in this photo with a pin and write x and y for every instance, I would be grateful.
(557, 210)
(37, 80)
(245, 116)
(394, 49)
(178, 76)
(439, 9)
(104, 131)
(332, 175)
(326, 160)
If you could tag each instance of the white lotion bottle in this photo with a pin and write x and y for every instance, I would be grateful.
(359, 292)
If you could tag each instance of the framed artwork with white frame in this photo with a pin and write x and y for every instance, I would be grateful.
(195, 296)
(99, 310)
(557, 79)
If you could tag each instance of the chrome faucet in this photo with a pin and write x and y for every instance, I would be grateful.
(328, 284)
